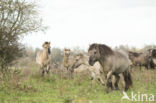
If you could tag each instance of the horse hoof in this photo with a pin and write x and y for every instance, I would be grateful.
(112, 88)
(126, 89)
(107, 91)
(117, 89)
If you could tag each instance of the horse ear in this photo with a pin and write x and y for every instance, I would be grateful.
(65, 49)
(96, 46)
(46, 42)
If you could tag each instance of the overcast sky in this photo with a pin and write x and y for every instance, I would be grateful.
(81, 22)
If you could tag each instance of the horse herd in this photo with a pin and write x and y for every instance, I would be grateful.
(101, 59)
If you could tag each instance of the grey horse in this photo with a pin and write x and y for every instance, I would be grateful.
(113, 63)
(141, 59)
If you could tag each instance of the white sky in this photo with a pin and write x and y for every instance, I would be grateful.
(82, 22)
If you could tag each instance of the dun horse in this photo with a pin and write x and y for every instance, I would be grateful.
(141, 59)
(95, 70)
(113, 63)
(68, 60)
(43, 58)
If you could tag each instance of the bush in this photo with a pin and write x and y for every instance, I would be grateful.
(17, 18)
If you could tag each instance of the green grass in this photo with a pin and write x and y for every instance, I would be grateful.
(54, 89)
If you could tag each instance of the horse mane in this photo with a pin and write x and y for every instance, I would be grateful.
(135, 53)
(103, 49)
(66, 49)
(46, 42)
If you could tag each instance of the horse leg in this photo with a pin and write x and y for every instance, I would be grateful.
(100, 80)
(72, 74)
(98, 75)
(69, 73)
(42, 68)
(123, 82)
(48, 68)
(127, 79)
(109, 81)
(140, 66)
(92, 78)
(146, 66)
(92, 81)
(117, 78)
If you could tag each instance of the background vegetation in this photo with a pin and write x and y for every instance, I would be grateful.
(17, 18)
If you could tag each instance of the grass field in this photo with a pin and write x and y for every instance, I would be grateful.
(28, 87)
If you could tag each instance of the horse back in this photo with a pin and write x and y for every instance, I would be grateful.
(120, 61)
(121, 55)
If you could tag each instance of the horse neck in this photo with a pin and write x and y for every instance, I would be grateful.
(45, 52)
(66, 58)
(101, 62)
(104, 60)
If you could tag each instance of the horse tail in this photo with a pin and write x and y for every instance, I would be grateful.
(127, 79)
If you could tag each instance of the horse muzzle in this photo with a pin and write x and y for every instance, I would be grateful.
(91, 62)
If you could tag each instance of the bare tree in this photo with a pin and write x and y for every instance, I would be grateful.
(17, 18)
